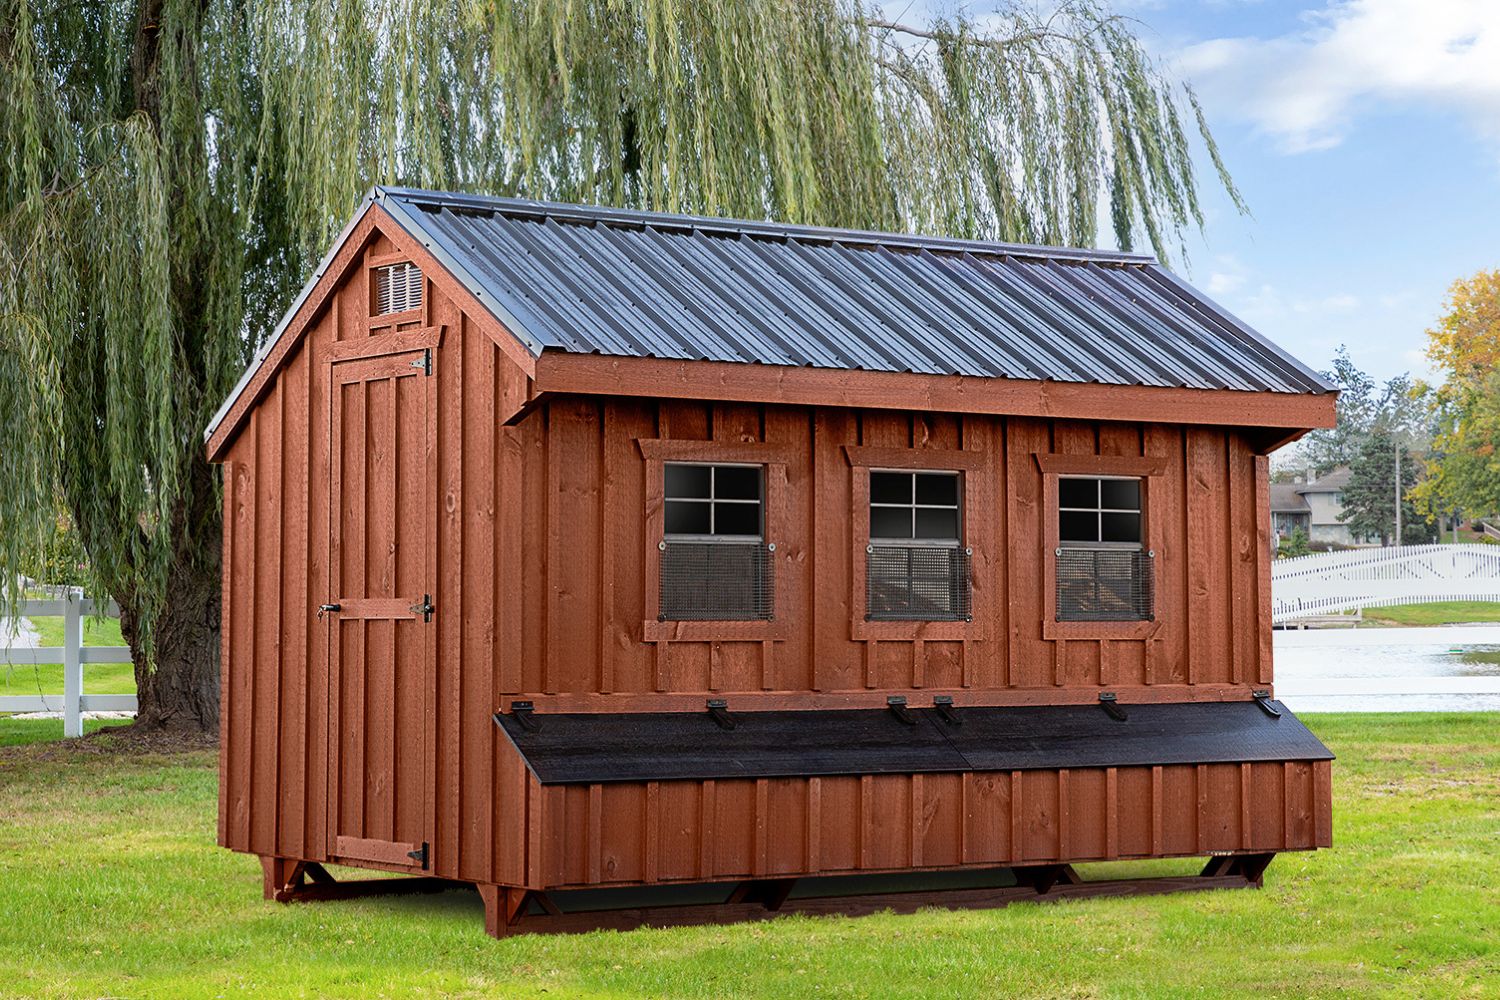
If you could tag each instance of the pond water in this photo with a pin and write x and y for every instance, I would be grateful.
(1446, 669)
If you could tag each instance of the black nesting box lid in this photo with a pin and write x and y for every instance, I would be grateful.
(664, 746)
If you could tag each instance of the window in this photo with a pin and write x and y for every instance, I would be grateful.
(917, 567)
(398, 288)
(1103, 569)
(715, 564)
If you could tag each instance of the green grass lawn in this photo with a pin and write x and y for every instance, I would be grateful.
(113, 886)
(18, 732)
(1439, 613)
(98, 678)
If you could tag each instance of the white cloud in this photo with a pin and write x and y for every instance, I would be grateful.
(1306, 88)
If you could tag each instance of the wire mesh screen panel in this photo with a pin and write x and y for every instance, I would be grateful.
(922, 582)
(1105, 585)
(717, 581)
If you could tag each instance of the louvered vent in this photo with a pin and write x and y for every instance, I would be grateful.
(917, 582)
(398, 288)
(717, 581)
(1105, 585)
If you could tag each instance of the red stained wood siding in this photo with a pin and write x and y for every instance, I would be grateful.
(539, 544)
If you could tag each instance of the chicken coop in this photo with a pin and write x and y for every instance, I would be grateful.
(578, 549)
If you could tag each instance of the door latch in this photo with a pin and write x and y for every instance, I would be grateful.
(425, 609)
(324, 609)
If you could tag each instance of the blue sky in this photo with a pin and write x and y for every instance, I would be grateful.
(1365, 135)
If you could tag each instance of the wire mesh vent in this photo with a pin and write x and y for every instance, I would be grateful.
(921, 582)
(398, 288)
(1105, 585)
(717, 581)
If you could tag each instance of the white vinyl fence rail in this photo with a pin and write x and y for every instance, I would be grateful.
(72, 608)
(1331, 582)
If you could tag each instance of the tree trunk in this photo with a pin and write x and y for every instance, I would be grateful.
(179, 687)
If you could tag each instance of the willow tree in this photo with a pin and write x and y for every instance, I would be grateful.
(169, 170)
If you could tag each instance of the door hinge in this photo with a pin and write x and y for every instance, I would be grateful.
(425, 609)
(419, 855)
(424, 362)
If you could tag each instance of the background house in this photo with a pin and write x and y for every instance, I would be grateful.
(1315, 506)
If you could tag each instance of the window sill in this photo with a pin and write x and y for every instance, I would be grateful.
(1100, 630)
(714, 630)
(908, 629)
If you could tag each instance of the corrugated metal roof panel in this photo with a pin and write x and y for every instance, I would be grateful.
(614, 282)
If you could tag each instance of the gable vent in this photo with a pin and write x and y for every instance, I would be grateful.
(398, 288)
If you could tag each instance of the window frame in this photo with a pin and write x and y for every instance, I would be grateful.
(1054, 467)
(656, 454)
(975, 534)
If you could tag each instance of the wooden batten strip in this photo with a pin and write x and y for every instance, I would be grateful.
(1064, 816)
(918, 811)
(814, 824)
(1017, 818)
(596, 834)
(1111, 812)
(707, 821)
(1156, 810)
(761, 846)
(651, 835)
(1246, 776)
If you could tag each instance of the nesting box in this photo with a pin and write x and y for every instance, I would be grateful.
(575, 548)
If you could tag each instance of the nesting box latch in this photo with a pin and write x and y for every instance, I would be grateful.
(718, 710)
(944, 705)
(1111, 706)
(897, 704)
(1263, 699)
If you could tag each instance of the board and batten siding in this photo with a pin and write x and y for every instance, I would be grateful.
(539, 578)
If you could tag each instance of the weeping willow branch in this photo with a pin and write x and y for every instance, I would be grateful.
(170, 170)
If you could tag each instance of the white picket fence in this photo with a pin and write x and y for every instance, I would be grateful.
(72, 608)
(1332, 582)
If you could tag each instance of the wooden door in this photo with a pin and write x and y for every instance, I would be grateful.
(381, 639)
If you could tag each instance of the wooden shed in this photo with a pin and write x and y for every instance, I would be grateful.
(569, 548)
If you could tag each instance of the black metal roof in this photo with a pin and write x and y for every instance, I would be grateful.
(666, 746)
(643, 284)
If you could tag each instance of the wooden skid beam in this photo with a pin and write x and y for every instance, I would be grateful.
(287, 881)
(753, 901)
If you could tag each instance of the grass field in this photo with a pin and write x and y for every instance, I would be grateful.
(1437, 613)
(98, 678)
(113, 886)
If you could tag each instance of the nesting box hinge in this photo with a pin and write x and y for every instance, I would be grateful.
(425, 609)
(897, 704)
(524, 712)
(1111, 705)
(1263, 699)
(944, 705)
(419, 855)
(424, 362)
(718, 710)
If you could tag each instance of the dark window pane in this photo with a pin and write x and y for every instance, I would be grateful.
(1121, 494)
(890, 487)
(937, 523)
(938, 489)
(736, 483)
(1122, 528)
(686, 518)
(890, 522)
(1077, 526)
(687, 481)
(736, 518)
(1078, 493)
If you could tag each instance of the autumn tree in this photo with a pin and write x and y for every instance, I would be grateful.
(171, 169)
(1464, 468)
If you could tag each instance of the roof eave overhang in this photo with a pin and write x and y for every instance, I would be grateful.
(1279, 417)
